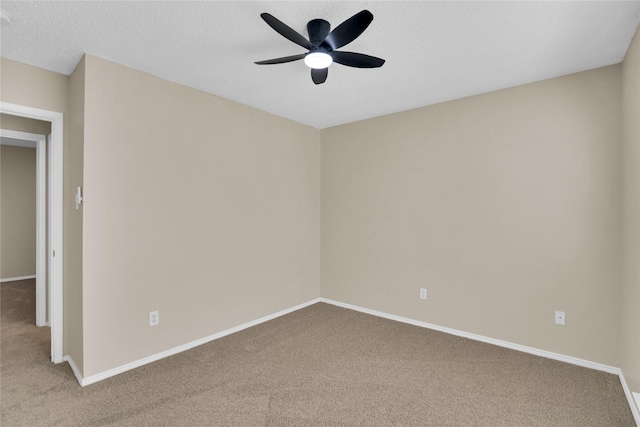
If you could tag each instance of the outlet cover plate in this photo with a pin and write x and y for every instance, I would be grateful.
(154, 318)
(560, 318)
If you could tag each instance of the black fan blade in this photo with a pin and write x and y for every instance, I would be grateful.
(282, 60)
(349, 30)
(319, 75)
(285, 31)
(358, 60)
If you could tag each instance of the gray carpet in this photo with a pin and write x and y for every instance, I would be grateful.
(319, 366)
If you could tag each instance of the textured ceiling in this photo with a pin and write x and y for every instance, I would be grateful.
(434, 51)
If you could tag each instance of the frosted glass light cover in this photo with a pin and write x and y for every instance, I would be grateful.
(318, 60)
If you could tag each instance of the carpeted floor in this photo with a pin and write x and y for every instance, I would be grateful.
(319, 366)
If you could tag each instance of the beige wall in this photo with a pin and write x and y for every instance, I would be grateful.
(505, 206)
(17, 211)
(23, 124)
(631, 185)
(196, 206)
(35, 87)
(73, 255)
(32, 86)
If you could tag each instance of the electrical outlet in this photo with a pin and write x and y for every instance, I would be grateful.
(154, 318)
(560, 318)
(423, 293)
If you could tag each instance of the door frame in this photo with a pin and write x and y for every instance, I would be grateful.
(37, 141)
(55, 254)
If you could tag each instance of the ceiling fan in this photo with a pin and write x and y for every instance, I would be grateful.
(322, 45)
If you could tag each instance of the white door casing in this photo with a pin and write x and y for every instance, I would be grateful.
(55, 252)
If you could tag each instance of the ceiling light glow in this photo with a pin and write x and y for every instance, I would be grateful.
(318, 60)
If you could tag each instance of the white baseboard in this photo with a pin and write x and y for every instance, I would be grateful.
(120, 369)
(74, 367)
(15, 279)
(506, 344)
(633, 398)
(535, 351)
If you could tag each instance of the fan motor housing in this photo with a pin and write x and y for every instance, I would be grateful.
(318, 30)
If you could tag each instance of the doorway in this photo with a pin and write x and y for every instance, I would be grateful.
(29, 168)
(54, 254)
